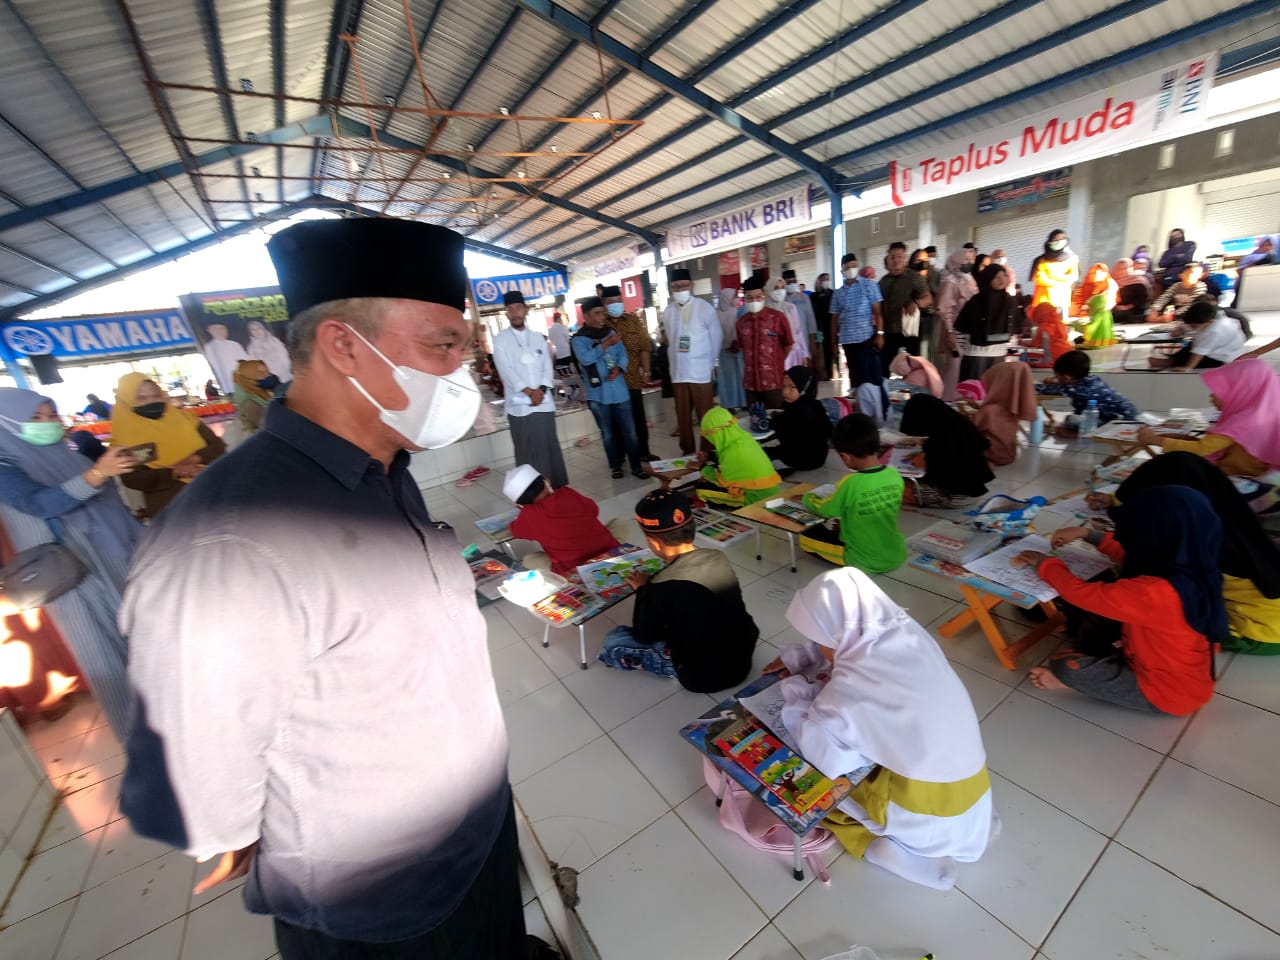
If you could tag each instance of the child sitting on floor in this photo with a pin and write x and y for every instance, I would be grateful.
(953, 455)
(1164, 614)
(743, 472)
(1245, 440)
(1072, 379)
(865, 505)
(563, 522)
(689, 620)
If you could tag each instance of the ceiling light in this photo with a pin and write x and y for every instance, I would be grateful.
(258, 197)
(447, 174)
(251, 137)
(389, 101)
(504, 111)
(246, 85)
(471, 148)
(554, 148)
(256, 171)
(595, 114)
(520, 174)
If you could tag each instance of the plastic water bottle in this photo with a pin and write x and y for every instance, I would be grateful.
(1037, 428)
(1089, 420)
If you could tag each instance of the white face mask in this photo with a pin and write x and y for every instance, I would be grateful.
(777, 296)
(793, 288)
(1000, 261)
(440, 410)
(682, 296)
(755, 306)
(850, 274)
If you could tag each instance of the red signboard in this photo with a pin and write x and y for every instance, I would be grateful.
(635, 292)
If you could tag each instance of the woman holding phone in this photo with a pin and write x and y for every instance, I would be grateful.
(172, 445)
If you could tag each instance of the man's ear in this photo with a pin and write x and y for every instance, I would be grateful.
(336, 346)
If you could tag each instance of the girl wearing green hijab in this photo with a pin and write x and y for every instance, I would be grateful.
(743, 473)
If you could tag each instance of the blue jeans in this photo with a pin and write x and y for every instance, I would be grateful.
(617, 431)
(623, 653)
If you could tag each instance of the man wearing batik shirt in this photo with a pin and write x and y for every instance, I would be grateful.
(633, 330)
(765, 337)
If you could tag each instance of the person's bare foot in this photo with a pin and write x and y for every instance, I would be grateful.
(1043, 678)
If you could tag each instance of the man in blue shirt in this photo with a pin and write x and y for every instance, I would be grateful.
(603, 358)
(314, 693)
(855, 312)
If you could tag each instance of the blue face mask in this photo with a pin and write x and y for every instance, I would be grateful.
(616, 309)
(269, 382)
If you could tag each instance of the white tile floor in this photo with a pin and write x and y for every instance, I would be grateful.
(1124, 836)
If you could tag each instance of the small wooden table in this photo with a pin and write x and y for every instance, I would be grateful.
(760, 515)
(981, 596)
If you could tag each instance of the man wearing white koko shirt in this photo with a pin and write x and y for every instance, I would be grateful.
(524, 361)
(693, 336)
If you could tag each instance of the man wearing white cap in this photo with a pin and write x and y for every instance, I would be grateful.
(524, 361)
(693, 336)
(563, 522)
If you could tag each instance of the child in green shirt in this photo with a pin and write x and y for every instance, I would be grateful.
(866, 503)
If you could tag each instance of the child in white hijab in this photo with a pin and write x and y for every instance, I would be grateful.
(892, 700)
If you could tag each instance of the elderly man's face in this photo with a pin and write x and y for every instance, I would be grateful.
(678, 285)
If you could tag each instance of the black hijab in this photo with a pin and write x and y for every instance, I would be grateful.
(803, 427)
(1247, 552)
(954, 450)
(990, 315)
(805, 382)
(1173, 533)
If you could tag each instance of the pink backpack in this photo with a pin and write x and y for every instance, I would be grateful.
(744, 815)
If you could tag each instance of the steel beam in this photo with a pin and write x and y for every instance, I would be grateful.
(315, 127)
(354, 128)
(207, 12)
(923, 52)
(575, 26)
(164, 256)
(514, 256)
(346, 19)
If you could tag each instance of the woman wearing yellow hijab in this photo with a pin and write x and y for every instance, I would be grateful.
(182, 445)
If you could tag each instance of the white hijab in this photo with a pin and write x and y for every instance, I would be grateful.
(728, 313)
(892, 699)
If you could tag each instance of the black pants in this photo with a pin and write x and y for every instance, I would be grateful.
(641, 422)
(1183, 355)
(892, 343)
(487, 925)
(863, 361)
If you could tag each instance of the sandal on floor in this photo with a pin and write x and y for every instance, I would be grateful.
(471, 476)
(618, 474)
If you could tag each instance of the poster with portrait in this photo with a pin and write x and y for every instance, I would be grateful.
(250, 323)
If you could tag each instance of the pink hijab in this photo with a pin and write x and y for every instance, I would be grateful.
(1249, 392)
(972, 390)
(918, 371)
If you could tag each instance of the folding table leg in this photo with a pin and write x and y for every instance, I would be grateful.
(724, 783)
(797, 869)
(791, 541)
(582, 644)
(759, 554)
(546, 634)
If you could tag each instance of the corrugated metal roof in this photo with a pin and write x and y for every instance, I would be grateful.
(75, 113)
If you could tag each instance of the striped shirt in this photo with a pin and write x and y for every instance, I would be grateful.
(852, 304)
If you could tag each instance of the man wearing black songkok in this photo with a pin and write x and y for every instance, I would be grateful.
(334, 725)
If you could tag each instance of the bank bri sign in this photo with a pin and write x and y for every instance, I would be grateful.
(775, 216)
(83, 338)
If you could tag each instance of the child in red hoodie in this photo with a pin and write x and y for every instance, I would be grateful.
(563, 522)
(1167, 605)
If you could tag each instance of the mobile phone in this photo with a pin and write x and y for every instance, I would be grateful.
(143, 452)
